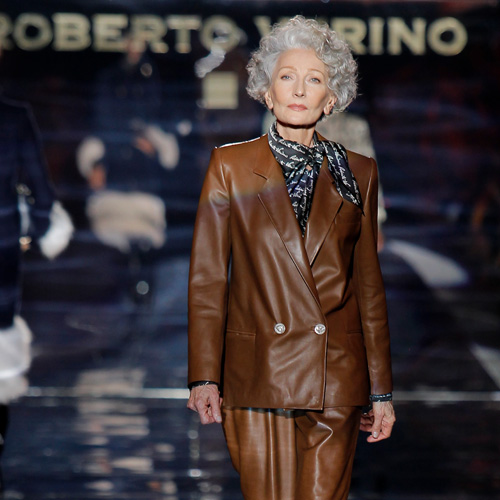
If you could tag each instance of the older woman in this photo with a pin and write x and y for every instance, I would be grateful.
(287, 314)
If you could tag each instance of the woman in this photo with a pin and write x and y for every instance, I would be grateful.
(295, 338)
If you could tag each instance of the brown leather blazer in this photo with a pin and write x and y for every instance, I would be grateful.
(281, 320)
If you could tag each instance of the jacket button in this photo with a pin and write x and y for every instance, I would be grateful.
(320, 329)
(279, 328)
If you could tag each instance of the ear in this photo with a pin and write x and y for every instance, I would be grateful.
(329, 105)
(269, 101)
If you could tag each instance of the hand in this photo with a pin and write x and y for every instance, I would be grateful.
(378, 421)
(144, 145)
(205, 400)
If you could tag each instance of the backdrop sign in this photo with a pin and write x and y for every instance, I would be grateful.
(71, 31)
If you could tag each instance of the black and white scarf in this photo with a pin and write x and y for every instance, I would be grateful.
(301, 166)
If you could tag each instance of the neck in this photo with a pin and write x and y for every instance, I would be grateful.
(302, 135)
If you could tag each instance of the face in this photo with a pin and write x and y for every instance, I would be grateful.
(299, 94)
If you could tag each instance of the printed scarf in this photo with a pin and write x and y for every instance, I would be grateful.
(301, 166)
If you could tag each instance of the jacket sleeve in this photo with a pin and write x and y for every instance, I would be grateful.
(371, 294)
(34, 174)
(208, 277)
(47, 221)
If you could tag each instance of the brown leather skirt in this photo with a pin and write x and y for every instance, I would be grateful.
(292, 455)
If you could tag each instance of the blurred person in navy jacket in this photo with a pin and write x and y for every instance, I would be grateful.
(29, 213)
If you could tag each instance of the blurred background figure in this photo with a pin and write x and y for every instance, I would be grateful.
(127, 158)
(485, 221)
(29, 214)
(353, 131)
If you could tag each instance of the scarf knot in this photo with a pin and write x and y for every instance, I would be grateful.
(301, 166)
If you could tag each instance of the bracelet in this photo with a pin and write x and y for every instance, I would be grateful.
(201, 382)
(377, 398)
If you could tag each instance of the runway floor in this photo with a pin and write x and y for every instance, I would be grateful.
(105, 415)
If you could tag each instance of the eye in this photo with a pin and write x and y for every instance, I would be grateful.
(285, 77)
(315, 80)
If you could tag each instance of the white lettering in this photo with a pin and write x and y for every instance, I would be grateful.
(447, 48)
(71, 32)
(263, 24)
(353, 31)
(33, 23)
(376, 36)
(5, 31)
(399, 32)
(183, 25)
(149, 30)
(108, 32)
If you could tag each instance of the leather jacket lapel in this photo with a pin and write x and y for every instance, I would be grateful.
(276, 201)
(326, 203)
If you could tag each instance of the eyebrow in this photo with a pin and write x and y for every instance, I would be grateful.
(294, 68)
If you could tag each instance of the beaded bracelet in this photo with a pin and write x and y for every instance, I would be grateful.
(377, 398)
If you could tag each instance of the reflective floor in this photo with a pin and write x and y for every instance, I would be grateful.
(105, 415)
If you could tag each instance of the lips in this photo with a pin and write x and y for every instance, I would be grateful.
(297, 107)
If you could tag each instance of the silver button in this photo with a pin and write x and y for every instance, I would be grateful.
(320, 329)
(279, 328)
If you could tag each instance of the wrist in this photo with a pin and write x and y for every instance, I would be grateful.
(199, 383)
(379, 398)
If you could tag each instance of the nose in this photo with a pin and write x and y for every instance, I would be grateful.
(299, 89)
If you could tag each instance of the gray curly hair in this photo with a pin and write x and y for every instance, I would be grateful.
(302, 33)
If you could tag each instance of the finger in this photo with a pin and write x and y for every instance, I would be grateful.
(206, 415)
(371, 439)
(364, 427)
(367, 418)
(381, 436)
(206, 418)
(215, 408)
(377, 424)
(386, 427)
(190, 404)
(202, 412)
(366, 423)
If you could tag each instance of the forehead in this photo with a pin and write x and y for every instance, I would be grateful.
(303, 59)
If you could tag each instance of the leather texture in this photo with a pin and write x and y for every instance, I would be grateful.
(261, 444)
(252, 273)
(292, 455)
